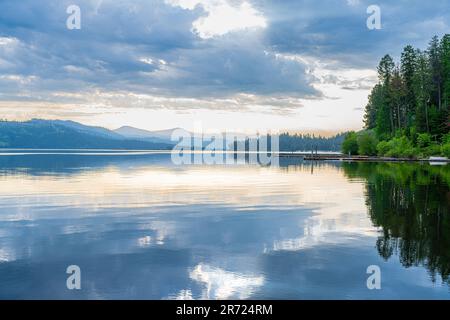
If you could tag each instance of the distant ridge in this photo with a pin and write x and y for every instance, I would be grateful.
(135, 133)
(60, 134)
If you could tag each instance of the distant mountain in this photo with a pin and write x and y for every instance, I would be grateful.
(166, 135)
(140, 134)
(98, 131)
(161, 136)
(58, 134)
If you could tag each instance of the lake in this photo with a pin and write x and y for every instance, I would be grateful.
(140, 227)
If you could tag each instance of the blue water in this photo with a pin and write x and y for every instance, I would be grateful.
(140, 227)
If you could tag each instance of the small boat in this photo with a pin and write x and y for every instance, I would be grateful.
(438, 161)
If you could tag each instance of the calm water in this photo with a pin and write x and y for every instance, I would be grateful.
(142, 228)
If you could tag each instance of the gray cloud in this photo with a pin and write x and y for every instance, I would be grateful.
(147, 47)
(336, 30)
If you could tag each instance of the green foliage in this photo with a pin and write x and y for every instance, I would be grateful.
(445, 150)
(423, 140)
(445, 58)
(367, 143)
(382, 148)
(375, 101)
(432, 150)
(402, 147)
(436, 71)
(408, 69)
(298, 142)
(446, 138)
(422, 88)
(397, 147)
(350, 144)
(438, 121)
(426, 146)
(385, 69)
(308, 142)
(411, 101)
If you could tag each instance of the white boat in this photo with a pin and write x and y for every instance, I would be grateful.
(438, 161)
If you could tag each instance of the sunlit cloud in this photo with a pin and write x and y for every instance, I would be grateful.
(222, 17)
(221, 284)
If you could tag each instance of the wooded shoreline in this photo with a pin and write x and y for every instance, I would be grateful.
(343, 157)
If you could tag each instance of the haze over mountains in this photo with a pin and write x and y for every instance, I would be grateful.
(139, 134)
(65, 134)
(60, 134)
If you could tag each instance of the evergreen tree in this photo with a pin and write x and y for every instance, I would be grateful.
(434, 58)
(375, 102)
(422, 88)
(445, 62)
(397, 98)
(408, 68)
(385, 123)
(445, 58)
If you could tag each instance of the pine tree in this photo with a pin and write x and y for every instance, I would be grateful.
(408, 68)
(444, 124)
(397, 98)
(445, 58)
(434, 57)
(375, 102)
(385, 121)
(422, 88)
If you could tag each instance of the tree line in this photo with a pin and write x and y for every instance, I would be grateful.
(407, 113)
(289, 142)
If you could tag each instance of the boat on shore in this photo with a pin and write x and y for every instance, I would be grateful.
(438, 161)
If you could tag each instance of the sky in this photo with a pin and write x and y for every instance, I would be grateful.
(221, 65)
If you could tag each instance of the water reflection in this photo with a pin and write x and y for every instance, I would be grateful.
(411, 203)
(221, 284)
(142, 228)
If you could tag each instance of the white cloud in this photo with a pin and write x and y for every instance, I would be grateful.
(352, 2)
(5, 41)
(146, 60)
(221, 284)
(20, 79)
(222, 17)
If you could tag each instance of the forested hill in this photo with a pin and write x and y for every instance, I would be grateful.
(57, 134)
(301, 142)
(307, 142)
(408, 110)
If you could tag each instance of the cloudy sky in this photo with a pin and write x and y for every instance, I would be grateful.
(223, 64)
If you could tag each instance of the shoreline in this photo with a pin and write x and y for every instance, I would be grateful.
(282, 154)
(341, 157)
